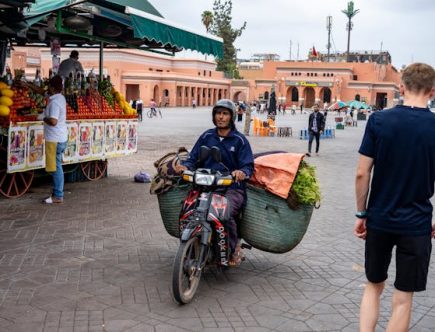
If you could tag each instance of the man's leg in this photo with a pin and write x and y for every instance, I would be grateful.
(236, 199)
(412, 265)
(58, 177)
(378, 251)
(369, 311)
(317, 142)
(310, 140)
(401, 313)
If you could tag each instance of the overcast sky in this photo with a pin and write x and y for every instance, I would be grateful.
(405, 28)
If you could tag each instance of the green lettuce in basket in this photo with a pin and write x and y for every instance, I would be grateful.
(305, 189)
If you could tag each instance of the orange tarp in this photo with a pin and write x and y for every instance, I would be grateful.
(276, 172)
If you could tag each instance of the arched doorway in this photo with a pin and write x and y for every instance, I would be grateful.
(266, 95)
(156, 94)
(309, 97)
(288, 95)
(357, 97)
(165, 99)
(295, 95)
(239, 96)
(325, 95)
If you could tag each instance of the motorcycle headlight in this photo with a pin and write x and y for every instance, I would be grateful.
(204, 179)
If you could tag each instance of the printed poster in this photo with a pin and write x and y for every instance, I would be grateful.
(121, 137)
(110, 138)
(71, 152)
(85, 141)
(97, 139)
(132, 136)
(17, 148)
(36, 147)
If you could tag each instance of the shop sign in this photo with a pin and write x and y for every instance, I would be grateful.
(309, 84)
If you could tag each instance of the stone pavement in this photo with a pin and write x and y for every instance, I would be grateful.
(103, 261)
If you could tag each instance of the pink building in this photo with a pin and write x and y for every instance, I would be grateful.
(177, 82)
(306, 82)
(167, 80)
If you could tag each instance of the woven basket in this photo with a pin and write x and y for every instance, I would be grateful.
(170, 204)
(269, 225)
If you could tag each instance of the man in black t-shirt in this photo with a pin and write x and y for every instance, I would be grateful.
(399, 147)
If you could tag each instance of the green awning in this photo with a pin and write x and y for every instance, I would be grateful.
(42, 8)
(146, 22)
(162, 31)
(142, 5)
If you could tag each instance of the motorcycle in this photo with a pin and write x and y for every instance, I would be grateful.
(204, 239)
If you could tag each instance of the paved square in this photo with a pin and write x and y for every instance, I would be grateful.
(103, 261)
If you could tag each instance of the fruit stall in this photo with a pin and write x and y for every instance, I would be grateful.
(101, 125)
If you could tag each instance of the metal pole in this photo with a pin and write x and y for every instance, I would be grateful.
(348, 38)
(298, 52)
(329, 27)
(100, 69)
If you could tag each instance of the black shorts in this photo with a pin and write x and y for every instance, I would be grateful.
(412, 259)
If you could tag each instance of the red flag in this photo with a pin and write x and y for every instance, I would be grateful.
(314, 51)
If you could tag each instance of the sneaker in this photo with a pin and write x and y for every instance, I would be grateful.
(53, 200)
(308, 154)
(317, 154)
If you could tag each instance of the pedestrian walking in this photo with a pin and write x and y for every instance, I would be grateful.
(193, 103)
(316, 126)
(139, 108)
(398, 149)
(248, 120)
(240, 111)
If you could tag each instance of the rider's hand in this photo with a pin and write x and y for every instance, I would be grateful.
(433, 231)
(238, 175)
(180, 169)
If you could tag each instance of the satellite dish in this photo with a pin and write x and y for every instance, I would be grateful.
(110, 30)
(77, 22)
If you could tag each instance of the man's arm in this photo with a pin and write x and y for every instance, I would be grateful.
(362, 184)
(245, 162)
(50, 121)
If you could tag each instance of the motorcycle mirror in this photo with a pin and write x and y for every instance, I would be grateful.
(204, 153)
(216, 154)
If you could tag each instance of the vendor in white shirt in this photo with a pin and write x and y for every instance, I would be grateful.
(70, 65)
(56, 136)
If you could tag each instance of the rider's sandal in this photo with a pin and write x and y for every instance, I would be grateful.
(237, 257)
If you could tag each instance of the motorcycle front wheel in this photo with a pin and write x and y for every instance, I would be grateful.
(185, 277)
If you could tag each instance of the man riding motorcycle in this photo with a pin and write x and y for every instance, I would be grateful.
(237, 159)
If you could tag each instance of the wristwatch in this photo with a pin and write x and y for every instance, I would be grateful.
(361, 214)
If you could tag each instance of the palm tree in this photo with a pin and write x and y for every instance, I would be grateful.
(207, 19)
(350, 12)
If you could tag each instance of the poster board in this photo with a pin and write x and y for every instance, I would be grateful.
(110, 138)
(17, 148)
(97, 139)
(71, 153)
(35, 147)
(121, 137)
(87, 140)
(132, 136)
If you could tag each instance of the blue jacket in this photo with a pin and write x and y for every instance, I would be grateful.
(235, 150)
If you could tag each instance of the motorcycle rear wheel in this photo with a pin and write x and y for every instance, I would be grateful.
(185, 278)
